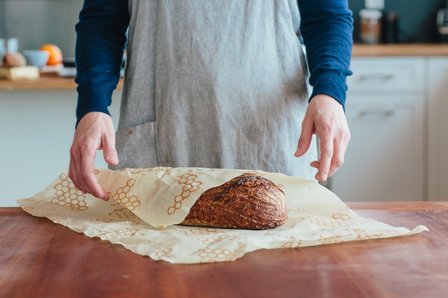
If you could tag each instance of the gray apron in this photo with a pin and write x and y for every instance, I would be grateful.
(213, 83)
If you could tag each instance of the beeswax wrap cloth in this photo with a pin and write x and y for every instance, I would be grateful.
(146, 204)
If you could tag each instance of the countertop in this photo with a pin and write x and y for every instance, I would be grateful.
(400, 50)
(53, 82)
(41, 259)
(47, 82)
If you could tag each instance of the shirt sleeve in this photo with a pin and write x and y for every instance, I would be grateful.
(100, 40)
(327, 31)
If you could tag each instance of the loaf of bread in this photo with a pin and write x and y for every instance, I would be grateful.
(245, 202)
(13, 60)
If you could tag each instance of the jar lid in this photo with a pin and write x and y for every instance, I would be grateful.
(370, 14)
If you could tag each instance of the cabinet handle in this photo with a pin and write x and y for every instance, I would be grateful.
(379, 113)
(376, 77)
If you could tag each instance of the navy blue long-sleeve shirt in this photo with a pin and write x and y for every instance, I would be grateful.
(326, 28)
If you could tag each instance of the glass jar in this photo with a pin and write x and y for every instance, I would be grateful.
(12, 45)
(370, 23)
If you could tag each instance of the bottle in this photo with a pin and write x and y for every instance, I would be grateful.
(2, 50)
(391, 28)
(12, 45)
(370, 26)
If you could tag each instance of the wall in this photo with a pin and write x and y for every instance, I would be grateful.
(54, 20)
(35, 22)
(417, 18)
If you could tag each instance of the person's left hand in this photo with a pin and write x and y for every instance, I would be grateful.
(325, 117)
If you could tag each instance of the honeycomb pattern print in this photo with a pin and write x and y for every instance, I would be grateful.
(123, 197)
(214, 254)
(200, 231)
(125, 214)
(341, 216)
(337, 220)
(365, 235)
(117, 234)
(324, 239)
(163, 253)
(68, 195)
(215, 241)
(292, 244)
(140, 170)
(104, 220)
(190, 184)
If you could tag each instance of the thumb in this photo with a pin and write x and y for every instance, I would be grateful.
(109, 151)
(305, 137)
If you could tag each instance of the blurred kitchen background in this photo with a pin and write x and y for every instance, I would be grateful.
(35, 22)
(417, 19)
(396, 104)
(53, 20)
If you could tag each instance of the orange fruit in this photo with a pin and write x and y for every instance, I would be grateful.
(55, 54)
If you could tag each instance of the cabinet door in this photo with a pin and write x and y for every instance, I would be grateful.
(438, 128)
(387, 74)
(385, 158)
(36, 132)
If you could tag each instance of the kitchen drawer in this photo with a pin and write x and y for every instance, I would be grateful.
(387, 74)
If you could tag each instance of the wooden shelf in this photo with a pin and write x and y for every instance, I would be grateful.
(400, 50)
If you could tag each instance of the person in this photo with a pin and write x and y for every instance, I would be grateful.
(211, 83)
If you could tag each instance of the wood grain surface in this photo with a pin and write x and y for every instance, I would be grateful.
(400, 50)
(41, 259)
(45, 82)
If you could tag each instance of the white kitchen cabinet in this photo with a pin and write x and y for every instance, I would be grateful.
(36, 131)
(438, 128)
(396, 107)
(384, 75)
(385, 109)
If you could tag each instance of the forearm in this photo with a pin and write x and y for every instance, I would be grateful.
(101, 35)
(327, 29)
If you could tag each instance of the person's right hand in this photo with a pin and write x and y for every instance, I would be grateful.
(95, 131)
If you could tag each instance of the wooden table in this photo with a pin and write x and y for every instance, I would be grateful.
(41, 259)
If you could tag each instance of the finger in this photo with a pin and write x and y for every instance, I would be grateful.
(72, 174)
(109, 151)
(305, 137)
(315, 164)
(89, 180)
(74, 166)
(88, 177)
(81, 179)
(338, 157)
(326, 146)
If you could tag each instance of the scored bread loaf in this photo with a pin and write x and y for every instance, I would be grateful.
(245, 202)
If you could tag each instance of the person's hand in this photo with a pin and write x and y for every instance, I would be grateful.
(325, 117)
(95, 131)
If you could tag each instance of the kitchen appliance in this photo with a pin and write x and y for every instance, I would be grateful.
(442, 23)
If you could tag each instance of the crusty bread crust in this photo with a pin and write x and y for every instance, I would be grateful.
(245, 202)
